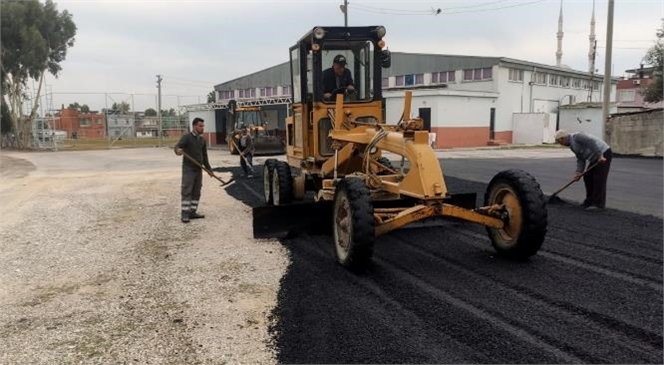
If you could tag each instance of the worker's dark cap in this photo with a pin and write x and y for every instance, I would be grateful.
(340, 59)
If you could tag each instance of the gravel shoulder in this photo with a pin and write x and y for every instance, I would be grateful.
(97, 268)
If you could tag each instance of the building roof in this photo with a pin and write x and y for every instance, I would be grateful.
(403, 63)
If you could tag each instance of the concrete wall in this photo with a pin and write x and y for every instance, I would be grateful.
(208, 117)
(636, 133)
(589, 120)
(532, 128)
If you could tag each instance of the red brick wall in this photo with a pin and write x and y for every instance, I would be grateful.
(451, 137)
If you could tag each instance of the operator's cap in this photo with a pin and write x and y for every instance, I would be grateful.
(340, 59)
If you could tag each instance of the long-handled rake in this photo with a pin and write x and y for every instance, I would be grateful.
(223, 183)
(554, 199)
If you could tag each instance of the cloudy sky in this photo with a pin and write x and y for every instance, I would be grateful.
(122, 45)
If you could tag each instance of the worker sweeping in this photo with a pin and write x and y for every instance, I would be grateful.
(246, 149)
(193, 145)
(592, 150)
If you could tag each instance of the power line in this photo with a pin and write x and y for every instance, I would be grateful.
(432, 11)
(187, 80)
(392, 11)
(492, 9)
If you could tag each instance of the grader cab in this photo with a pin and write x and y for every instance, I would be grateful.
(336, 173)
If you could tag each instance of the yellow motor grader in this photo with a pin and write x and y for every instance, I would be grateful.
(335, 141)
(251, 118)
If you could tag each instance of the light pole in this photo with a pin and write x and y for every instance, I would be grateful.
(344, 9)
(607, 67)
(161, 134)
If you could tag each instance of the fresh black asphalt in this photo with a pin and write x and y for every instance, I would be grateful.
(593, 293)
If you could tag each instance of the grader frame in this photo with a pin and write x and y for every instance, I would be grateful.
(336, 146)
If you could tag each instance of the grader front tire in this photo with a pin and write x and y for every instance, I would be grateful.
(282, 184)
(526, 225)
(354, 224)
(268, 171)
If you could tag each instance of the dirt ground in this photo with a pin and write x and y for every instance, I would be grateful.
(97, 268)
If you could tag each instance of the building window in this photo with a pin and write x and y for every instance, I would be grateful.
(540, 78)
(442, 77)
(85, 122)
(241, 94)
(564, 81)
(399, 81)
(515, 75)
(576, 83)
(478, 74)
(285, 90)
(410, 80)
(385, 82)
(553, 80)
(627, 95)
(597, 85)
(419, 79)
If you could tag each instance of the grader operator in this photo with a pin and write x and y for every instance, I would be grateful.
(334, 161)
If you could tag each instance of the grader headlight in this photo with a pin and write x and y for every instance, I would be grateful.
(319, 33)
(380, 31)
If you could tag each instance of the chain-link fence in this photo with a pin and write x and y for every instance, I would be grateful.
(116, 125)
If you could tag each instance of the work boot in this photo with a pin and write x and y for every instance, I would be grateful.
(194, 215)
(185, 216)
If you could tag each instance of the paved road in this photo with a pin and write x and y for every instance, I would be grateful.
(635, 184)
(593, 294)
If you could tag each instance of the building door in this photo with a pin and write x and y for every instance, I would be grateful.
(425, 114)
(492, 124)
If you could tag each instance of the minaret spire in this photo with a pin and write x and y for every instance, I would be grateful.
(559, 52)
(591, 49)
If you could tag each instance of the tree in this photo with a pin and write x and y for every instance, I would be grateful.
(120, 108)
(85, 108)
(35, 37)
(149, 112)
(212, 97)
(655, 57)
(75, 105)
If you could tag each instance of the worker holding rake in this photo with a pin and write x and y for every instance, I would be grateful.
(192, 146)
(246, 149)
(592, 150)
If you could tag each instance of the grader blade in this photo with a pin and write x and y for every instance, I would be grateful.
(292, 220)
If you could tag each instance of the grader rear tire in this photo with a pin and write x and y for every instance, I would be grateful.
(354, 224)
(268, 170)
(282, 184)
(526, 225)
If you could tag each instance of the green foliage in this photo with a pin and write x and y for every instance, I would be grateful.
(34, 37)
(655, 57)
(85, 108)
(120, 108)
(149, 112)
(211, 97)
(168, 113)
(74, 106)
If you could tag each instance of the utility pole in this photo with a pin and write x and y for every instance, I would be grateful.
(344, 9)
(607, 68)
(161, 134)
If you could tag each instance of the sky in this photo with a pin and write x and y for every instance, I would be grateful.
(121, 46)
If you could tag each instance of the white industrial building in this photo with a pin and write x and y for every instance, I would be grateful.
(467, 101)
